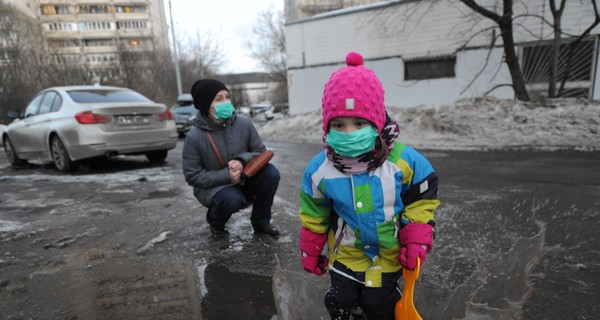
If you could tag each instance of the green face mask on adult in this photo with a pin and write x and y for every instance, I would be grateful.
(354, 143)
(224, 110)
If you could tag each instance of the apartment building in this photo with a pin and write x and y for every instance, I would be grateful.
(96, 33)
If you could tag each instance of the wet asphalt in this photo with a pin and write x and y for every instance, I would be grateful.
(516, 239)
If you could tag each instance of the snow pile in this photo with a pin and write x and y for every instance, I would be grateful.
(479, 123)
(471, 124)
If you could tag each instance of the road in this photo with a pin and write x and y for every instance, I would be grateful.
(125, 239)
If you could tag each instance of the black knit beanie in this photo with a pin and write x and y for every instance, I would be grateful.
(204, 92)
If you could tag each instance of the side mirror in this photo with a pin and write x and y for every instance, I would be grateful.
(13, 114)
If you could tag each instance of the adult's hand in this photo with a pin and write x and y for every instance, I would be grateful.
(235, 170)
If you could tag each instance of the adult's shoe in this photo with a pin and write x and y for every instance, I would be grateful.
(218, 232)
(268, 229)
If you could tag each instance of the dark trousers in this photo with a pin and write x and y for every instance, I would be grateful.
(258, 191)
(346, 296)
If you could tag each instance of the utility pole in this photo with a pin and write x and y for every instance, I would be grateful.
(177, 73)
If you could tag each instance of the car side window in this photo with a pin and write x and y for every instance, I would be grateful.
(47, 102)
(33, 107)
(57, 103)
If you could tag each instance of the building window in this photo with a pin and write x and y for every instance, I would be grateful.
(134, 42)
(98, 42)
(63, 43)
(8, 38)
(49, 9)
(93, 9)
(101, 58)
(95, 26)
(7, 55)
(576, 71)
(131, 9)
(135, 24)
(67, 59)
(424, 69)
(59, 26)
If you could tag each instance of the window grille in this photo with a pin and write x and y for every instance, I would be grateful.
(575, 67)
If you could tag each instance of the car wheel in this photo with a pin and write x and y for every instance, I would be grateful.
(157, 156)
(11, 154)
(60, 156)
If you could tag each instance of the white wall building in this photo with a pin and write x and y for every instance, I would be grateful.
(435, 51)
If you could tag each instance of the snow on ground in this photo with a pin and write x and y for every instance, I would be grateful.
(472, 124)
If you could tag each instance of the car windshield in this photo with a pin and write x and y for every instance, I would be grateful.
(106, 96)
(185, 108)
(185, 103)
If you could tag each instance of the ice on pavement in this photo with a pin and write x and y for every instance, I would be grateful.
(478, 123)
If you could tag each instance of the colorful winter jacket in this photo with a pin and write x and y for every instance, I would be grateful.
(362, 213)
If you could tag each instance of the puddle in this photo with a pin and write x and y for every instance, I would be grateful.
(237, 295)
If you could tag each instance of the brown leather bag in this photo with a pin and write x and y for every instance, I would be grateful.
(257, 163)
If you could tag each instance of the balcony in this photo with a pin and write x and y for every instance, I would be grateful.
(101, 49)
(138, 33)
(132, 16)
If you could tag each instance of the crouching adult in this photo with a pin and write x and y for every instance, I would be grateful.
(215, 152)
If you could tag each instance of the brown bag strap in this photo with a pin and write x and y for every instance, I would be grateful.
(214, 145)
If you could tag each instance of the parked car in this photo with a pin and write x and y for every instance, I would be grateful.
(67, 124)
(244, 111)
(184, 113)
(262, 108)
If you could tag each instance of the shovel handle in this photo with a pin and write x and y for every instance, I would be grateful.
(405, 307)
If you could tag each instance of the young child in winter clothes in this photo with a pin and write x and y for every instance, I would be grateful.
(370, 198)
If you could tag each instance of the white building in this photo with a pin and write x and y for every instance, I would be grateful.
(435, 51)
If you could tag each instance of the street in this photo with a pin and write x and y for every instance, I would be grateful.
(126, 239)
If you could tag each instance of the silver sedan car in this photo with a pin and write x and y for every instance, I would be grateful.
(67, 124)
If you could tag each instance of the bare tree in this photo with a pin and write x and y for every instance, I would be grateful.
(199, 58)
(269, 49)
(148, 72)
(20, 53)
(505, 23)
(557, 13)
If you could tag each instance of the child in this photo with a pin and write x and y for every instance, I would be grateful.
(370, 198)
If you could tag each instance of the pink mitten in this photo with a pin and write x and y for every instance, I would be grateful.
(416, 239)
(311, 245)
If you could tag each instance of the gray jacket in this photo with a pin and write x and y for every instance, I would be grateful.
(235, 138)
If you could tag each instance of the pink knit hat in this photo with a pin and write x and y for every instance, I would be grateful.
(354, 91)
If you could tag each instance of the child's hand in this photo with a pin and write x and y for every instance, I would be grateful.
(314, 264)
(416, 239)
(311, 245)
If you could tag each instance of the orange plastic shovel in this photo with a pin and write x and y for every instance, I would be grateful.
(405, 308)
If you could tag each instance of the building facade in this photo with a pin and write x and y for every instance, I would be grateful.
(299, 9)
(96, 33)
(438, 51)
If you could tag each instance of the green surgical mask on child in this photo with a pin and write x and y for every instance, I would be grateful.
(352, 144)
(224, 110)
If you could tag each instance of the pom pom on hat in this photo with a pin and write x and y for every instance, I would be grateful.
(204, 92)
(354, 59)
(354, 91)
